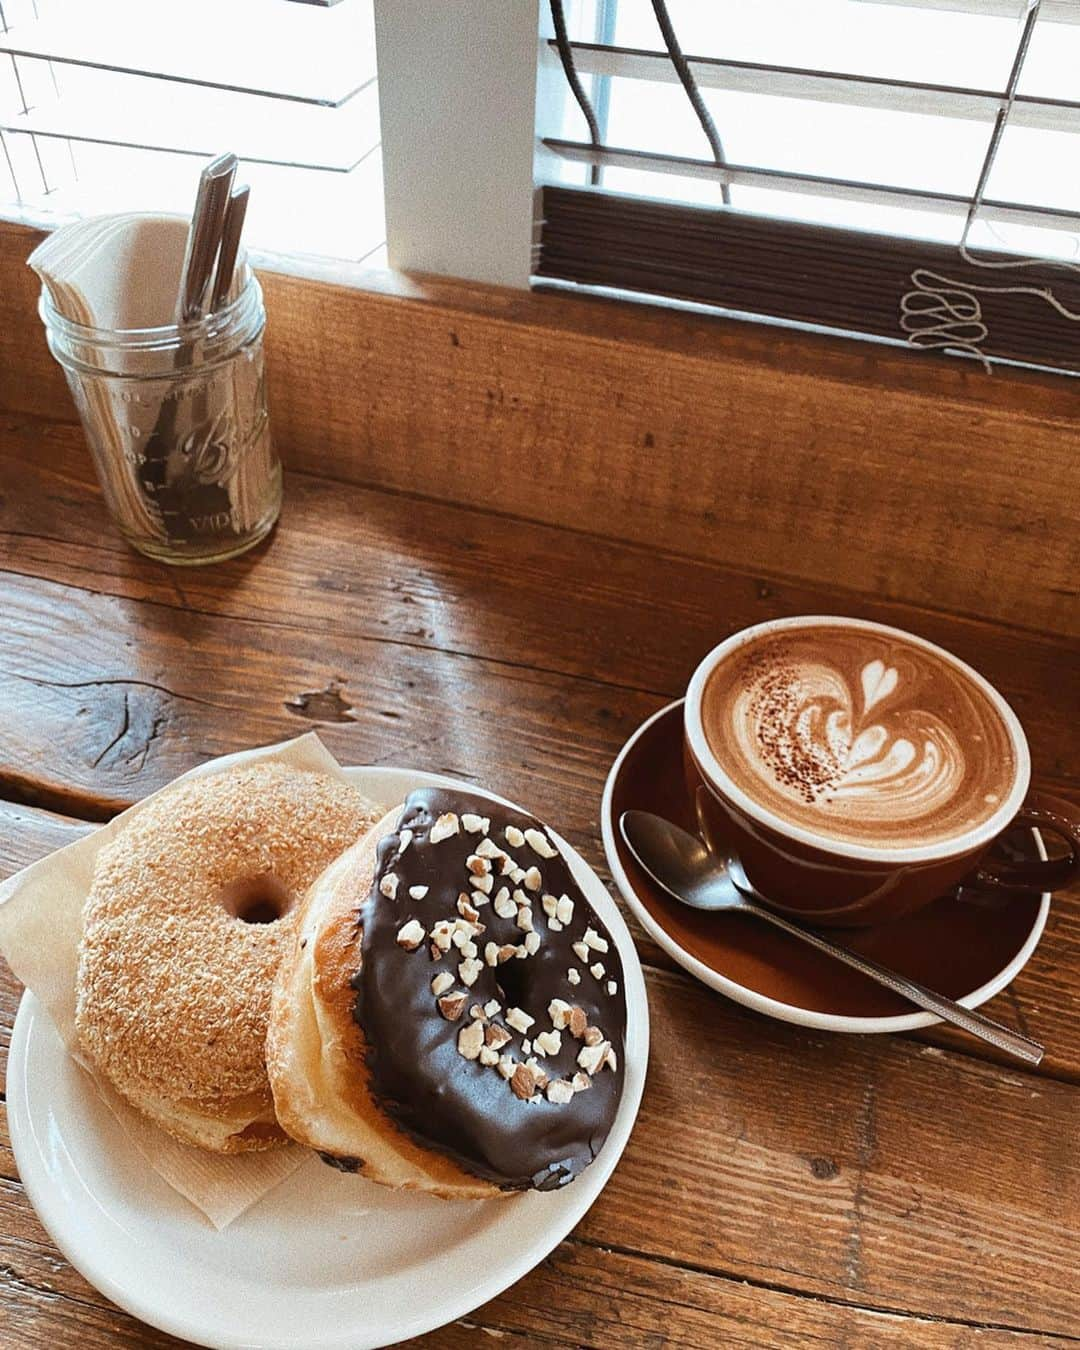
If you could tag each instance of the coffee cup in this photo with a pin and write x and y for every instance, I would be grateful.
(859, 771)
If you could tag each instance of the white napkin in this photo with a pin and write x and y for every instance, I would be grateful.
(118, 272)
(41, 921)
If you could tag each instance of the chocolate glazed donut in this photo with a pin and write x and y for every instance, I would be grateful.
(454, 1017)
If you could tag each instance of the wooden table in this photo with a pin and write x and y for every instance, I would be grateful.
(782, 1187)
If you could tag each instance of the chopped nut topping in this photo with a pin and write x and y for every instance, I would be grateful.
(559, 1012)
(507, 951)
(597, 971)
(505, 908)
(443, 828)
(532, 943)
(469, 969)
(497, 1037)
(573, 976)
(611, 987)
(514, 837)
(517, 875)
(491, 953)
(507, 865)
(476, 1012)
(578, 1023)
(611, 1060)
(520, 1021)
(540, 843)
(521, 952)
(593, 940)
(560, 1091)
(549, 1042)
(410, 935)
(555, 925)
(581, 951)
(418, 892)
(592, 1058)
(479, 867)
(388, 886)
(533, 880)
(461, 936)
(488, 848)
(525, 919)
(593, 1035)
(404, 840)
(466, 908)
(565, 910)
(581, 1082)
(507, 1065)
(470, 1039)
(523, 1082)
(478, 898)
(453, 1005)
(492, 1007)
(442, 982)
(540, 1076)
(550, 905)
(526, 1045)
(520, 898)
(436, 952)
(488, 1056)
(473, 824)
(483, 884)
(442, 934)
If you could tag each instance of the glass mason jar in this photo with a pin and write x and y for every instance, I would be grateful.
(177, 425)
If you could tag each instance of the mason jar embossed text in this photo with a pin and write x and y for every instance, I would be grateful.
(177, 425)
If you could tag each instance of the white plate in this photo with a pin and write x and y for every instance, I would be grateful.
(751, 998)
(325, 1260)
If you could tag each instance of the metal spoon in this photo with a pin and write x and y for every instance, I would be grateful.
(681, 865)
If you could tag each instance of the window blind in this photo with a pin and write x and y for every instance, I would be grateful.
(109, 105)
(902, 169)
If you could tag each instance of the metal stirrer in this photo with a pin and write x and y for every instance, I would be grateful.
(233, 227)
(204, 238)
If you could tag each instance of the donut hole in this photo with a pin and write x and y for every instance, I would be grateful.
(261, 899)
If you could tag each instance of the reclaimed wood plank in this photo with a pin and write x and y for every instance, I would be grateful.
(379, 565)
(871, 1170)
(597, 1298)
(673, 430)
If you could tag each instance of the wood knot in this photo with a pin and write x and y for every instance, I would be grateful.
(322, 705)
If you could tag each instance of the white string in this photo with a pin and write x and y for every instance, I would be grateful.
(940, 312)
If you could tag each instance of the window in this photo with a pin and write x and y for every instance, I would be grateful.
(895, 169)
(111, 105)
(830, 170)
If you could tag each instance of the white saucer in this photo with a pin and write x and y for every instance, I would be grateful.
(326, 1260)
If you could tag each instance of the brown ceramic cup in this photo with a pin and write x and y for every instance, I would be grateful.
(839, 883)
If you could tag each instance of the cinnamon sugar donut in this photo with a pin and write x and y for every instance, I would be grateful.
(449, 1015)
(190, 909)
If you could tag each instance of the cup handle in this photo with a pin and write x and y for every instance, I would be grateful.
(1048, 814)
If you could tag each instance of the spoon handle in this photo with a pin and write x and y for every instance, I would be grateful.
(1011, 1042)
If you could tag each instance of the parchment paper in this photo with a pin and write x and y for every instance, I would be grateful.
(41, 921)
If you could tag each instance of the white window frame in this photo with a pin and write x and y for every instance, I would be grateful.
(458, 88)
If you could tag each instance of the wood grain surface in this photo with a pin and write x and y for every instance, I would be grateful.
(783, 1187)
(842, 464)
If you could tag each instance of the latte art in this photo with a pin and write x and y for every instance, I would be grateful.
(858, 736)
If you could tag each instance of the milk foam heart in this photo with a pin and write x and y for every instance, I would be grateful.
(858, 735)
